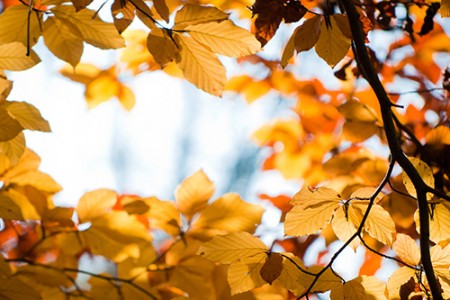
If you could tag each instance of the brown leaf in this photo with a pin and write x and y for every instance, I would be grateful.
(271, 269)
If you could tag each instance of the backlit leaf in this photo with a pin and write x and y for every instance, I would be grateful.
(193, 193)
(37, 179)
(291, 272)
(191, 14)
(123, 14)
(14, 148)
(227, 214)
(95, 204)
(344, 228)
(231, 247)
(425, 173)
(9, 127)
(332, 45)
(374, 288)
(162, 9)
(163, 215)
(63, 39)
(14, 22)
(27, 115)
(440, 256)
(397, 279)
(244, 275)
(308, 198)
(304, 221)
(224, 38)
(439, 223)
(201, 67)
(407, 249)
(9, 210)
(94, 31)
(307, 34)
(272, 267)
(12, 288)
(13, 57)
(162, 47)
(351, 290)
(327, 281)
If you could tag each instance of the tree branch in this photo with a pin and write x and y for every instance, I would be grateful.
(371, 76)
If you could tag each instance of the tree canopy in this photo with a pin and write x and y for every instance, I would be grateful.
(367, 137)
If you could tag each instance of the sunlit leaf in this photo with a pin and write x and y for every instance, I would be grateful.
(407, 249)
(15, 24)
(231, 247)
(162, 47)
(27, 115)
(191, 14)
(397, 279)
(162, 9)
(9, 210)
(244, 275)
(163, 215)
(9, 126)
(193, 193)
(425, 173)
(95, 204)
(13, 57)
(307, 34)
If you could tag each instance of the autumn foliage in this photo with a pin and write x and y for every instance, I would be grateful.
(371, 151)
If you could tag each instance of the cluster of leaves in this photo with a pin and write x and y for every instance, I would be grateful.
(194, 248)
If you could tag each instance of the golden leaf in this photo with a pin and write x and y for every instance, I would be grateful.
(397, 279)
(332, 45)
(344, 228)
(162, 47)
(373, 287)
(327, 281)
(163, 215)
(351, 290)
(200, 66)
(63, 39)
(9, 127)
(123, 14)
(193, 193)
(425, 173)
(37, 179)
(103, 289)
(27, 115)
(228, 248)
(115, 235)
(14, 22)
(132, 267)
(93, 30)
(27, 209)
(291, 272)
(407, 249)
(191, 14)
(44, 276)
(272, 267)
(224, 38)
(439, 222)
(307, 198)
(440, 256)
(194, 276)
(306, 35)
(244, 275)
(9, 210)
(355, 110)
(13, 56)
(227, 214)
(13, 288)
(95, 204)
(304, 221)
(5, 86)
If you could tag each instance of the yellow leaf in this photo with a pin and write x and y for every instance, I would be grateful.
(14, 27)
(224, 38)
(355, 110)
(304, 221)
(9, 210)
(306, 35)
(272, 267)
(358, 131)
(163, 215)
(144, 292)
(445, 8)
(307, 198)
(191, 14)
(5, 86)
(44, 276)
(332, 45)
(407, 249)
(37, 179)
(425, 173)
(101, 89)
(244, 275)
(132, 267)
(193, 193)
(228, 248)
(379, 223)
(27, 115)
(291, 272)
(439, 222)
(162, 47)
(200, 66)
(28, 162)
(93, 30)
(227, 214)
(440, 257)
(9, 127)
(115, 235)
(397, 279)
(327, 281)
(28, 210)
(126, 97)
(351, 290)
(83, 73)
(13, 57)
(95, 204)
(373, 287)
(194, 276)
(63, 39)
(344, 228)
(103, 289)
(13, 288)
